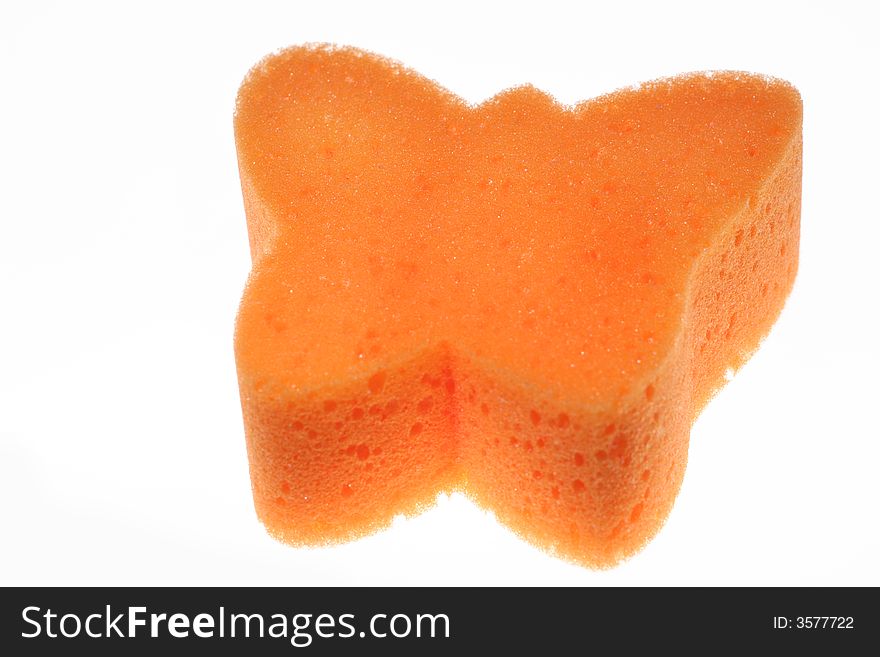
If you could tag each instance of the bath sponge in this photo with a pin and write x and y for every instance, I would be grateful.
(526, 302)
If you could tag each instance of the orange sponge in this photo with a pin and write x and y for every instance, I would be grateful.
(522, 301)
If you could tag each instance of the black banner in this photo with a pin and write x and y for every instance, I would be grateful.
(333, 621)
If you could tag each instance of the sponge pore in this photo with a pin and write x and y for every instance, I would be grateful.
(523, 301)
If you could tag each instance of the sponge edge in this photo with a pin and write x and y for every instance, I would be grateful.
(649, 237)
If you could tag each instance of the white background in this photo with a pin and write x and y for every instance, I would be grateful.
(123, 253)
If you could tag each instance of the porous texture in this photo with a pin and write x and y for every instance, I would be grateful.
(522, 301)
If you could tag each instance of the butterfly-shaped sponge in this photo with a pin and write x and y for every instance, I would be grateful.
(522, 301)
